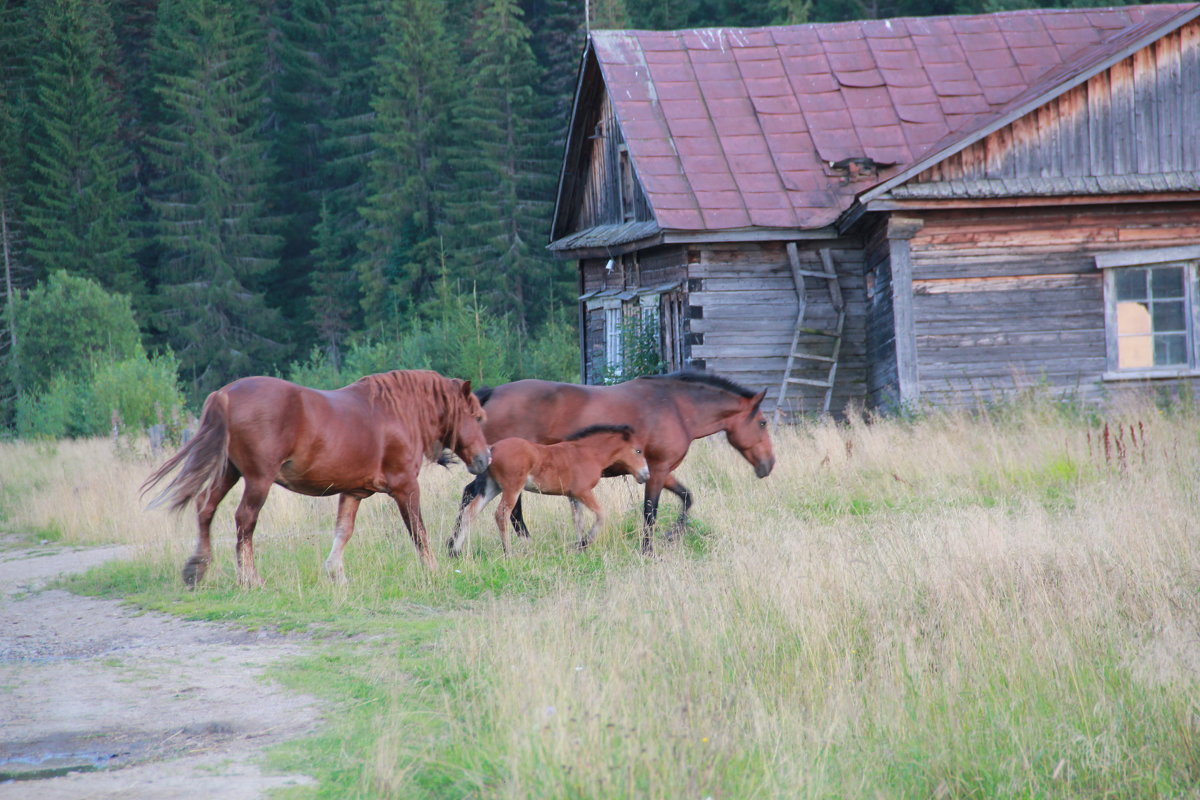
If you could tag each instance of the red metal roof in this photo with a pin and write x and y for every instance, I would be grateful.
(732, 128)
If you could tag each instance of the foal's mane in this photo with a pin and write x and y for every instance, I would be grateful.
(716, 381)
(591, 430)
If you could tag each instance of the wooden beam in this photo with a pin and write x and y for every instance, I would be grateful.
(1019, 202)
(900, 231)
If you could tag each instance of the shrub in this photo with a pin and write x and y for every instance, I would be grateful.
(140, 390)
(65, 326)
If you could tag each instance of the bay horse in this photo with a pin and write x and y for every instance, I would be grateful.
(571, 468)
(667, 411)
(371, 436)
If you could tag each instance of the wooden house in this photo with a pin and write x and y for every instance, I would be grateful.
(895, 211)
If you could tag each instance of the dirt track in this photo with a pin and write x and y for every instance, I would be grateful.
(98, 700)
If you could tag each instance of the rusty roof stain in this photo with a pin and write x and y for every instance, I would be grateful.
(731, 128)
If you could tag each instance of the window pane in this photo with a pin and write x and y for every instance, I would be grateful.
(1133, 318)
(1131, 284)
(1166, 282)
(1134, 352)
(1170, 349)
(1169, 317)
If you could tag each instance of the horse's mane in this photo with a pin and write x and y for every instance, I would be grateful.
(392, 390)
(707, 378)
(484, 393)
(591, 430)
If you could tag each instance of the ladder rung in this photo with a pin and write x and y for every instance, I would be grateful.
(807, 382)
(811, 357)
(819, 332)
(829, 276)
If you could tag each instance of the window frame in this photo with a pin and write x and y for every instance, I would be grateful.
(1110, 264)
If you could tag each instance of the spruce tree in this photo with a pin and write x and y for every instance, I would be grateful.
(301, 90)
(344, 152)
(409, 172)
(78, 204)
(505, 171)
(213, 230)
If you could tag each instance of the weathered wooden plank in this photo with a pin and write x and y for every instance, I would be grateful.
(1122, 117)
(1189, 92)
(931, 267)
(1167, 99)
(1145, 92)
(1099, 133)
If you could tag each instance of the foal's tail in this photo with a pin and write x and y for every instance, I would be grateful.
(204, 457)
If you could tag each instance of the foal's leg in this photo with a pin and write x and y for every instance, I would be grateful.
(685, 497)
(206, 507)
(507, 502)
(343, 529)
(588, 499)
(408, 498)
(246, 517)
(468, 512)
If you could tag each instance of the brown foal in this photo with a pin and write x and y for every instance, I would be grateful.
(571, 467)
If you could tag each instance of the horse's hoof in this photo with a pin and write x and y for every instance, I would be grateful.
(193, 571)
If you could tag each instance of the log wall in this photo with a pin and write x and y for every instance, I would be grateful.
(742, 304)
(1008, 298)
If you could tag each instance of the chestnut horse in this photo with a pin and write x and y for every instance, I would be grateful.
(667, 411)
(571, 468)
(368, 437)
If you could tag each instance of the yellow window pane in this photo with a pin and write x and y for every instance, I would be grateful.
(1132, 318)
(1135, 351)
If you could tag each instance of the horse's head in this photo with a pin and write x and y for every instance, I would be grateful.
(464, 434)
(632, 458)
(746, 429)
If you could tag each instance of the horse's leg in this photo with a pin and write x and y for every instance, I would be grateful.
(518, 520)
(577, 518)
(408, 499)
(343, 529)
(685, 497)
(246, 517)
(206, 507)
(588, 499)
(468, 512)
(654, 487)
(472, 490)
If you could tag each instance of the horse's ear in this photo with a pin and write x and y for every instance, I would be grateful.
(756, 401)
(466, 389)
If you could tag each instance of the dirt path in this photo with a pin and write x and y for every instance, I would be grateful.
(98, 700)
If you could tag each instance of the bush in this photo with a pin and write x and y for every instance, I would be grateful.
(67, 325)
(141, 391)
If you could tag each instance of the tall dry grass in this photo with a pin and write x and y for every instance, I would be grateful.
(961, 607)
(996, 605)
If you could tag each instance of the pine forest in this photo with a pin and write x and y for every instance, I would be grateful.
(196, 190)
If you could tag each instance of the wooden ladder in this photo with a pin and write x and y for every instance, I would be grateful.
(794, 355)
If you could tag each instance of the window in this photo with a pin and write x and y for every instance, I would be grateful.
(614, 316)
(1151, 312)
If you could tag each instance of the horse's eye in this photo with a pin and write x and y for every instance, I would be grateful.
(639, 452)
(762, 423)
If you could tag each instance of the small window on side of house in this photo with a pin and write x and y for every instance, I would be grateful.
(1151, 313)
(613, 343)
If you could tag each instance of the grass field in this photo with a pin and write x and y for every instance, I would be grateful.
(998, 605)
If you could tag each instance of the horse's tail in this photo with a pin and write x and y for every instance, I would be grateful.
(204, 457)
